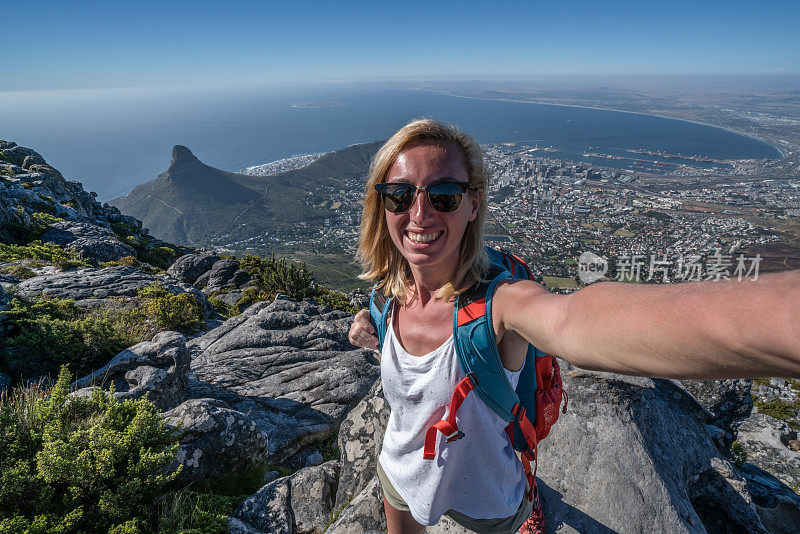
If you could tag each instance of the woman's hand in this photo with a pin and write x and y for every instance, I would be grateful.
(362, 334)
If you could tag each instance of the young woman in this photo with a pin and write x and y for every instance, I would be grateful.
(421, 242)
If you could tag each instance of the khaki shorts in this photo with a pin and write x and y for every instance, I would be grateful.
(508, 524)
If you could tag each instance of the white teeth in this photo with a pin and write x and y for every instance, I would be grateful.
(421, 238)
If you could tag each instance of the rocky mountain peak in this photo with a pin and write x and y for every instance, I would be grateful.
(183, 161)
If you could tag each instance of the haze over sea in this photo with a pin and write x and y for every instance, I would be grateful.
(114, 139)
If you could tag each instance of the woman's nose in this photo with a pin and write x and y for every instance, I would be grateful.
(421, 209)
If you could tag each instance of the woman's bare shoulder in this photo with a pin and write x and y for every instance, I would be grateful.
(517, 304)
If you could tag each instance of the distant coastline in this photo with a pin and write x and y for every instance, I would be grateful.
(782, 151)
(317, 105)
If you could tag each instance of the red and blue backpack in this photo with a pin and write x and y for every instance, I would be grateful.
(530, 409)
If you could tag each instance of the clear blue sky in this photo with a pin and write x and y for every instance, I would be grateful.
(81, 44)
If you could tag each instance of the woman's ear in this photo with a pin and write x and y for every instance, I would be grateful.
(475, 202)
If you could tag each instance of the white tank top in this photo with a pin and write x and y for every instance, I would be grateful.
(478, 475)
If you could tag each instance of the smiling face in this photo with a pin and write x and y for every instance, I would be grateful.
(428, 239)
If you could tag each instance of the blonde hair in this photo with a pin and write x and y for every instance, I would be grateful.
(380, 260)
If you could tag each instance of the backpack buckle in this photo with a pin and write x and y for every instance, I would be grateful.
(454, 436)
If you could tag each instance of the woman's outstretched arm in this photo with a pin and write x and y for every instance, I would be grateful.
(712, 329)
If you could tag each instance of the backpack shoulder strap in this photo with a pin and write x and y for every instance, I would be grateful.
(379, 308)
(476, 345)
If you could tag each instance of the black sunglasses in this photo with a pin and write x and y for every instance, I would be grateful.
(444, 196)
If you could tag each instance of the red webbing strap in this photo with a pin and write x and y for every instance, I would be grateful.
(448, 426)
(530, 454)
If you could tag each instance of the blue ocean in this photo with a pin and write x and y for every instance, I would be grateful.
(113, 140)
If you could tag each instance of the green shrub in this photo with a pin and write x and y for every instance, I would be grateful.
(738, 454)
(126, 261)
(280, 276)
(335, 300)
(88, 465)
(250, 296)
(148, 249)
(50, 252)
(47, 333)
(171, 312)
(223, 308)
(272, 276)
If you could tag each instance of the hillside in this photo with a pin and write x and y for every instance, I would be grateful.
(196, 204)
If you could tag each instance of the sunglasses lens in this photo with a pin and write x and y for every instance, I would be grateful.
(445, 197)
(397, 198)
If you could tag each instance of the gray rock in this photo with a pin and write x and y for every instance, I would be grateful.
(315, 458)
(88, 240)
(776, 503)
(363, 514)
(728, 400)
(158, 368)
(215, 439)
(764, 439)
(16, 154)
(633, 455)
(221, 275)
(189, 267)
(231, 298)
(289, 365)
(359, 299)
(298, 504)
(360, 441)
(202, 280)
(237, 526)
(103, 283)
(5, 298)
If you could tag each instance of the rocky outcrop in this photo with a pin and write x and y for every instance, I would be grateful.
(224, 275)
(88, 240)
(729, 401)
(360, 441)
(108, 282)
(289, 365)
(189, 267)
(298, 504)
(777, 505)
(765, 441)
(157, 368)
(215, 440)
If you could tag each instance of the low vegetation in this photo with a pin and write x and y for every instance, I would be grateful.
(48, 252)
(47, 333)
(88, 465)
(148, 249)
(272, 276)
(780, 409)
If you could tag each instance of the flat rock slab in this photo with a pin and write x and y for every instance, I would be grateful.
(120, 281)
(289, 366)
